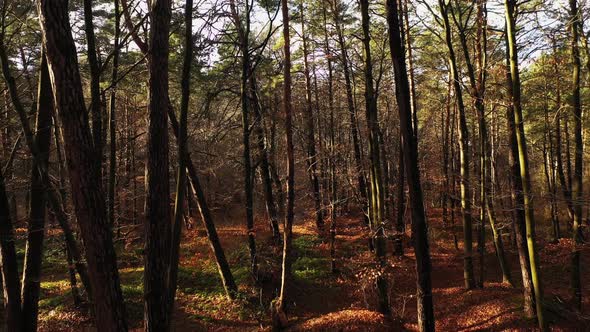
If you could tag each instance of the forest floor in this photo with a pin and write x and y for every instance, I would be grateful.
(322, 301)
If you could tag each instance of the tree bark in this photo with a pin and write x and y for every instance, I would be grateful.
(182, 142)
(510, 7)
(83, 165)
(402, 91)
(157, 221)
(37, 209)
(463, 154)
(278, 317)
(577, 188)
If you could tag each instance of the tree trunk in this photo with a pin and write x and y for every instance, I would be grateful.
(362, 183)
(10, 277)
(377, 192)
(83, 165)
(157, 221)
(182, 142)
(577, 189)
(419, 225)
(464, 155)
(113, 123)
(37, 212)
(278, 318)
(511, 6)
(93, 61)
(312, 162)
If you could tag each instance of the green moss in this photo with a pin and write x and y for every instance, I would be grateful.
(311, 269)
(306, 245)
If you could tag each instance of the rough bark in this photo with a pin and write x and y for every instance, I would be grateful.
(83, 165)
(157, 221)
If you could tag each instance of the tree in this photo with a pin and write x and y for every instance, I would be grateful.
(312, 162)
(577, 187)
(279, 320)
(182, 157)
(37, 210)
(421, 247)
(157, 224)
(83, 165)
(510, 8)
(463, 153)
(377, 192)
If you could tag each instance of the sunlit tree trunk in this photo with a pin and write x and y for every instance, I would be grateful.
(463, 153)
(510, 8)
(577, 188)
(279, 320)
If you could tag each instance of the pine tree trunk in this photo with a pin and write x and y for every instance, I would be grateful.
(37, 211)
(419, 225)
(157, 220)
(83, 165)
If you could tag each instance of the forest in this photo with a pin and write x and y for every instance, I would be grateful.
(294, 165)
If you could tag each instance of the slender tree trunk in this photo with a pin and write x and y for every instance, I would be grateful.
(419, 226)
(37, 211)
(407, 41)
(10, 277)
(377, 192)
(511, 6)
(93, 61)
(264, 160)
(10, 274)
(362, 183)
(182, 142)
(279, 320)
(577, 188)
(312, 162)
(558, 138)
(400, 227)
(113, 123)
(464, 155)
(244, 35)
(332, 149)
(445, 153)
